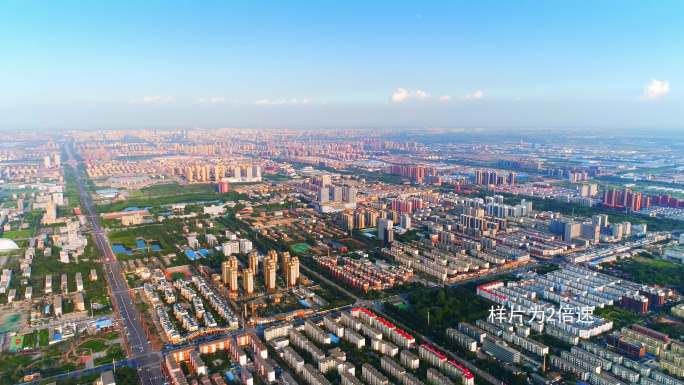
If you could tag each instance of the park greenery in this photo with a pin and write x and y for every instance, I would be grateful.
(276, 177)
(166, 189)
(125, 375)
(167, 234)
(431, 310)
(71, 191)
(171, 193)
(651, 271)
(30, 218)
(49, 363)
(620, 317)
(18, 234)
(95, 291)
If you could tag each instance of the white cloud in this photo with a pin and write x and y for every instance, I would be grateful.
(280, 102)
(420, 94)
(475, 95)
(155, 99)
(402, 94)
(211, 100)
(656, 89)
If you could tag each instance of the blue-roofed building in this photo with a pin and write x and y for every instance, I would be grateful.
(191, 254)
(103, 323)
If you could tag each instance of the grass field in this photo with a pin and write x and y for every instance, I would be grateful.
(43, 338)
(18, 234)
(30, 340)
(166, 234)
(94, 345)
(300, 248)
(276, 177)
(155, 200)
(172, 189)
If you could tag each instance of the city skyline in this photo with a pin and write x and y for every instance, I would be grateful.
(173, 64)
(434, 257)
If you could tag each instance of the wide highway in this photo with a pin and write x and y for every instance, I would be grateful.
(147, 361)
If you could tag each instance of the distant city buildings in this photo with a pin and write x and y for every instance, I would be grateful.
(416, 173)
(368, 214)
(488, 177)
(626, 199)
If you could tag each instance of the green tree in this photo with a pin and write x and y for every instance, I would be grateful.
(126, 376)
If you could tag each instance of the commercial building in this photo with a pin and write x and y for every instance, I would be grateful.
(385, 230)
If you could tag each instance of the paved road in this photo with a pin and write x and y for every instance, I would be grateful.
(141, 353)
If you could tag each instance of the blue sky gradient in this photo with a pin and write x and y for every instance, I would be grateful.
(119, 64)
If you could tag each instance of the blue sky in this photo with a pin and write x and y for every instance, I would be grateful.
(119, 64)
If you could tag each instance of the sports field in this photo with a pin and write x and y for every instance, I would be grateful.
(300, 248)
(16, 343)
